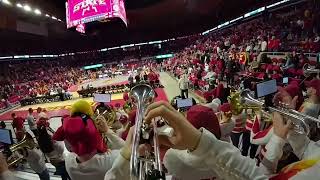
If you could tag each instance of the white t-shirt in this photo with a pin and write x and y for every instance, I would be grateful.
(264, 46)
(183, 82)
(95, 168)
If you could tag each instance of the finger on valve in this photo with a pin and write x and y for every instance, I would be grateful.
(185, 136)
(281, 127)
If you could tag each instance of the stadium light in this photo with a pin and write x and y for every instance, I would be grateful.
(27, 8)
(54, 18)
(19, 5)
(6, 2)
(37, 11)
(47, 15)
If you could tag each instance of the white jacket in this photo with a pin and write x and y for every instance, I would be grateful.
(94, 168)
(303, 148)
(212, 158)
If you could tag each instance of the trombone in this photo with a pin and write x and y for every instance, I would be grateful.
(299, 120)
(149, 166)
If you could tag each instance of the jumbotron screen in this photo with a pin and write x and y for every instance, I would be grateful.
(84, 11)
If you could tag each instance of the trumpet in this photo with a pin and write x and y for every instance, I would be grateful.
(26, 143)
(147, 167)
(298, 119)
(308, 70)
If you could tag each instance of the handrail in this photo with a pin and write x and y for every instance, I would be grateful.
(283, 53)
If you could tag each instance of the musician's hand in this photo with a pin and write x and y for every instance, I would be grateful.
(3, 164)
(280, 127)
(101, 124)
(284, 97)
(185, 135)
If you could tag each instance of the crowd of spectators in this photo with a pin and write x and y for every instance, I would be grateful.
(214, 56)
(238, 50)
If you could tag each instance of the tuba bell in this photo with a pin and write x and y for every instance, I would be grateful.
(26, 143)
(308, 70)
(149, 166)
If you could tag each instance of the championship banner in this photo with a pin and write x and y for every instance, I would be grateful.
(85, 11)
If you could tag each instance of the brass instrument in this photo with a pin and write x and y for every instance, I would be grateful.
(149, 166)
(237, 105)
(108, 114)
(298, 119)
(308, 70)
(26, 143)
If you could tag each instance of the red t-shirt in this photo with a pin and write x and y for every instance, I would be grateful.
(18, 123)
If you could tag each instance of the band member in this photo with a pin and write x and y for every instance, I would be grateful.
(37, 162)
(226, 122)
(304, 148)
(262, 131)
(238, 131)
(54, 151)
(90, 158)
(214, 104)
(18, 126)
(311, 106)
(198, 154)
(200, 117)
(110, 138)
(123, 133)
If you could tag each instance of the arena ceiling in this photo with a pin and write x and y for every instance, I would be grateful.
(147, 20)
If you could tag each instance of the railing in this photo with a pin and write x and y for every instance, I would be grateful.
(310, 56)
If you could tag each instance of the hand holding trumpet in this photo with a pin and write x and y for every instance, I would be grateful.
(280, 126)
(185, 135)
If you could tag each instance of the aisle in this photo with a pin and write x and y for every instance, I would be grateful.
(171, 87)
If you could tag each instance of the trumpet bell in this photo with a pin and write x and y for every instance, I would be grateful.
(248, 97)
(145, 167)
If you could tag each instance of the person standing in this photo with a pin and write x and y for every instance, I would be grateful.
(184, 85)
(32, 123)
(54, 151)
(37, 163)
(130, 79)
(17, 124)
(3, 125)
(231, 70)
